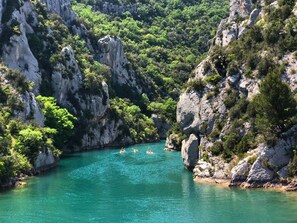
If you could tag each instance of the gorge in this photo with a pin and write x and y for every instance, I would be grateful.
(87, 75)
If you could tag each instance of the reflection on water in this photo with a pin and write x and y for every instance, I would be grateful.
(106, 186)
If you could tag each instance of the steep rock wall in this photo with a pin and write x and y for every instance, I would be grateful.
(201, 111)
(111, 53)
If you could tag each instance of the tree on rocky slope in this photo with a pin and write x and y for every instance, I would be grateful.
(275, 107)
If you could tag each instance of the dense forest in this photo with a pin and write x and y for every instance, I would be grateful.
(164, 41)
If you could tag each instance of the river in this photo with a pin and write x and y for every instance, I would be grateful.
(106, 186)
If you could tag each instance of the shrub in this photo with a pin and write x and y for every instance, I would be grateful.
(238, 109)
(252, 160)
(245, 144)
(292, 166)
(230, 99)
(196, 85)
(18, 81)
(218, 57)
(213, 79)
(217, 148)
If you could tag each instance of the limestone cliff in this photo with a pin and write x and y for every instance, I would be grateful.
(62, 8)
(204, 110)
(16, 52)
(111, 53)
(29, 45)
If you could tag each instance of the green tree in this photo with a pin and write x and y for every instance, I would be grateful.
(57, 118)
(29, 142)
(275, 106)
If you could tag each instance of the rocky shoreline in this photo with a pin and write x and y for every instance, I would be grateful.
(283, 186)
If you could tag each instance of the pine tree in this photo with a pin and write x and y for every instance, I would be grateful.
(275, 106)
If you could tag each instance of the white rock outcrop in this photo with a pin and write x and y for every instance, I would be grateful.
(273, 159)
(190, 151)
(203, 169)
(235, 25)
(61, 8)
(66, 78)
(111, 53)
(17, 53)
(196, 114)
(31, 111)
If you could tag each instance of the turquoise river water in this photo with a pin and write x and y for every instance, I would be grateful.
(106, 186)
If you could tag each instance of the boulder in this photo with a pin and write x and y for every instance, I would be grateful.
(172, 142)
(203, 169)
(190, 151)
(260, 173)
(220, 168)
(283, 172)
(240, 172)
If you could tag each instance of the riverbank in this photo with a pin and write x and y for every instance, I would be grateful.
(20, 180)
(283, 186)
(15, 182)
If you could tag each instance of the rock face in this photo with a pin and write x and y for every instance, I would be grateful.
(61, 8)
(162, 126)
(32, 111)
(45, 160)
(64, 84)
(206, 112)
(105, 133)
(272, 160)
(67, 83)
(173, 142)
(230, 29)
(196, 115)
(98, 128)
(190, 151)
(17, 54)
(111, 53)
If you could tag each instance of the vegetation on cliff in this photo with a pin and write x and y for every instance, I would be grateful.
(163, 39)
(257, 54)
(21, 141)
(245, 91)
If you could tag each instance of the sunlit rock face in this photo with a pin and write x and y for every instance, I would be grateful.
(61, 8)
